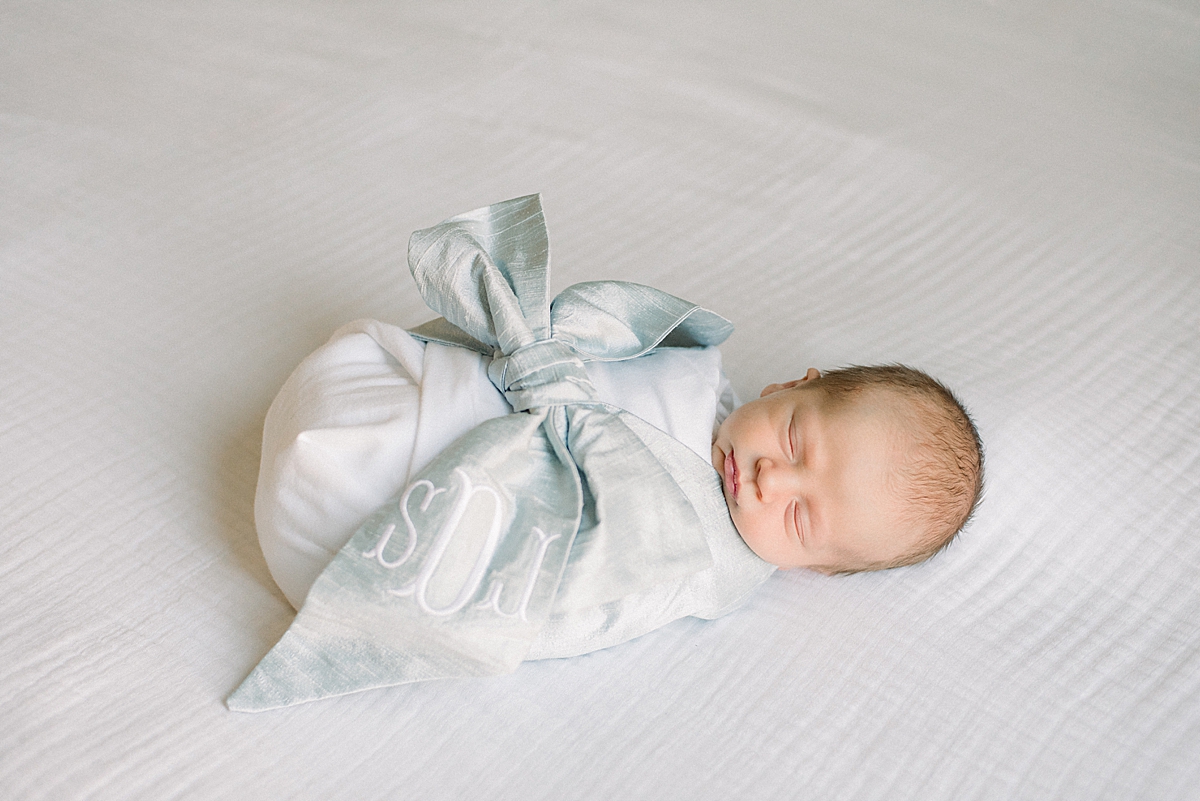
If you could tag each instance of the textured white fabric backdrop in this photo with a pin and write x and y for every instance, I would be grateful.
(193, 196)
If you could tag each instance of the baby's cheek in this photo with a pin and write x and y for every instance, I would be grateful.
(750, 534)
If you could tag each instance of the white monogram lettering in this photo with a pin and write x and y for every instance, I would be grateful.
(493, 598)
(419, 588)
(377, 552)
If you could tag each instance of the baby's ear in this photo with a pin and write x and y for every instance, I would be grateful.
(812, 374)
(771, 389)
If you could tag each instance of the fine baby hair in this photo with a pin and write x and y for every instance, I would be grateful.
(942, 474)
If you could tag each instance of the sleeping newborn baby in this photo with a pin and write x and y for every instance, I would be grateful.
(864, 468)
(526, 478)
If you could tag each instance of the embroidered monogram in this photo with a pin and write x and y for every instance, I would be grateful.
(419, 588)
(380, 547)
(497, 587)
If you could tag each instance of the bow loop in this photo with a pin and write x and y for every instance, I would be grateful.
(617, 320)
(487, 272)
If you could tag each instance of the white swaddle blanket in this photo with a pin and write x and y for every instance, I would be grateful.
(546, 499)
(374, 405)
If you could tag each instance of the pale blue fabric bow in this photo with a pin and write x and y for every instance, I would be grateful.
(456, 575)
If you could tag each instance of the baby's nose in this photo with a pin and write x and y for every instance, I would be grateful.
(774, 479)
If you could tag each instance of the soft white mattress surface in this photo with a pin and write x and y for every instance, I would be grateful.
(194, 196)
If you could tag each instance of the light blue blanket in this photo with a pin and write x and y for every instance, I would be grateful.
(566, 526)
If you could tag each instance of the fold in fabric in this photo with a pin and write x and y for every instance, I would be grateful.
(459, 574)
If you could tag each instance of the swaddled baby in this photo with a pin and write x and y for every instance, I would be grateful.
(539, 517)
(861, 468)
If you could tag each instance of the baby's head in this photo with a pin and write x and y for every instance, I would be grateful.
(864, 468)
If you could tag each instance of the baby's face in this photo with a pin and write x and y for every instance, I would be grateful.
(807, 480)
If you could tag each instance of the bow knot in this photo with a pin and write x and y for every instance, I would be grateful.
(542, 374)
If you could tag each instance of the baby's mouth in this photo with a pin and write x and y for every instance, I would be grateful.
(731, 474)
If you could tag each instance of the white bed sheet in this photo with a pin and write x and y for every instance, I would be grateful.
(193, 196)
